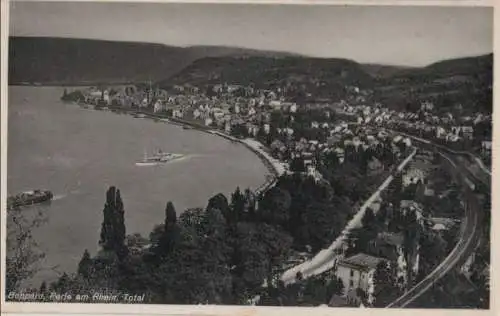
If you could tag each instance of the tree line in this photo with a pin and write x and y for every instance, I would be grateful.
(222, 254)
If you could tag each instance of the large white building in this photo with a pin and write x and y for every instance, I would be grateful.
(357, 271)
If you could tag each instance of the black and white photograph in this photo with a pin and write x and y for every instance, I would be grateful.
(239, 154)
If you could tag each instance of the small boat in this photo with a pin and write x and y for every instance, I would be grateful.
(29, 198)
(186, 127)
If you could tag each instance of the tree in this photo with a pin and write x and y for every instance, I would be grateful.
(191, 217)
(320, 224)
(250, 204)
(43, 287)
(170, 214)
(335, 287)
(22, 252)
(156, 233)
(297, 165)
(483, 292)
(113, 225)
(363, 296)
(190, 276)
(276, 242)
(61, 284)
(367, 233)
(431, 252)
(221, 203)
(383, 214)
(274, 207)
(315, 292)
(331, 160)
(85, 264)
(170, 234)
(237, 205)
(368, 218)
(395, 189)
(385, 284)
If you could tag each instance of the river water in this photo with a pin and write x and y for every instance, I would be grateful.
(78, 153)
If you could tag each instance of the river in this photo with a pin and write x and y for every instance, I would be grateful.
(78, 153)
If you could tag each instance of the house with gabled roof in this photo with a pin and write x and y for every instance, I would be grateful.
(357, 271)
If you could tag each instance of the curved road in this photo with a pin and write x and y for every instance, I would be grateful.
(469, 235)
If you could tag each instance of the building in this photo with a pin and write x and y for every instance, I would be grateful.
(267, 128)
(486, 147)
(357, 272)
(440, 132)
(177, 113)
(158, 107)
(387, 245)
(413, 175)
(196, 114)
(442, 224)
(275, 104)
(467, 132)
(412, 206)
(251, 111)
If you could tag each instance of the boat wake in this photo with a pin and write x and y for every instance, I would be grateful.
(161, 163)
(58, 197)
(146, 164)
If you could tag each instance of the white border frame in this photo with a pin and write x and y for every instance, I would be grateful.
(136, 309)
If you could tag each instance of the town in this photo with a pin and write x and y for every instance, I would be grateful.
(322, 156)
(322, 140)
(295, 131)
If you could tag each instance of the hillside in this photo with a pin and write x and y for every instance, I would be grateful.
(221, 51)
(467, 81)
(322, 78)
(79, 61)
(384, 71)
(73, 61)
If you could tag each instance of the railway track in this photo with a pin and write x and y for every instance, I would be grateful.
(473, 186)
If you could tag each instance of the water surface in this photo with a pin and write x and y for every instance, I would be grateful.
(78, 153)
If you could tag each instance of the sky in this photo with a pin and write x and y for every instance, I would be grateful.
(396, 35)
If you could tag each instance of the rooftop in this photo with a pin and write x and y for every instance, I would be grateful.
(361, 261)
(446, 222)
(391, 238)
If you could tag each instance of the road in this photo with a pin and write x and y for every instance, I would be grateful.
(325, 259)
(468, 239)
(466, 245)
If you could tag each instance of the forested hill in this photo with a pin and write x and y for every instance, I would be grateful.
(78, 61)
(384, 71)
(466, 81)
(316, 76)
(48, 60)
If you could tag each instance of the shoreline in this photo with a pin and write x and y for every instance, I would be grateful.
(275, 167)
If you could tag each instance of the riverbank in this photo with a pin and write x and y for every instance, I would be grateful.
(275, 167)
(77, 154)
